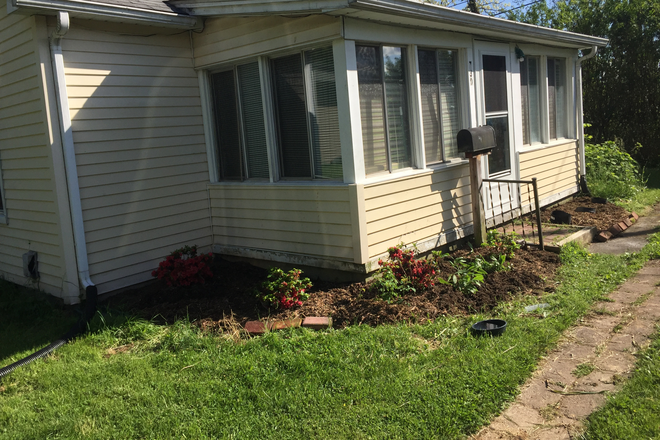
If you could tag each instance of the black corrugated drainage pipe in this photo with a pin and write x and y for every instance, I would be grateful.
(79, 327)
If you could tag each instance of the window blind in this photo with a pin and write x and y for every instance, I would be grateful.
(291, 116)
(447, 63)
(560, 98)
(552, 101)
(430, 91)
(394, 62)
(322, 113)
(372, 111)
(227, 125)
(254, 131)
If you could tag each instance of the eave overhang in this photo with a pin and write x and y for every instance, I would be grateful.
(396, 12)
(107, 12)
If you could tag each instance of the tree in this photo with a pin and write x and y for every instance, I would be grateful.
(622, 84)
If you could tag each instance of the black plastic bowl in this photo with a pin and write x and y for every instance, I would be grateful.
(493, 327)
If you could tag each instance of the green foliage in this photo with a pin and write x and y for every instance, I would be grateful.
(469, 275)
(622, 84)
(503, 244)
(611, 172)
(584, 369)
(284, 289)
(403, 273)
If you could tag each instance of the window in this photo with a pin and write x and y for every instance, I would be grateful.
(306, 119)
(497, 112)
(531, 100)
(557, 98)
(239, 123)
(440, 103)
(383, 108)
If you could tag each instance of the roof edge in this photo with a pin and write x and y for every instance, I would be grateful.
(468, 19)
(90, 9)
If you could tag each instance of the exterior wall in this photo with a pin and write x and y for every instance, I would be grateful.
(556, 169)
(140, 151)
(231, 38)
(429, 209)
(33, 216)
(310, 221)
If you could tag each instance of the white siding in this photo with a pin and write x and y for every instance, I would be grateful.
(27, 171)
(556, 169)
(232, 38)
(140, 152)
(305, 220)
(417, 208)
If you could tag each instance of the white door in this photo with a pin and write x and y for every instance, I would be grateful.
(494, 108)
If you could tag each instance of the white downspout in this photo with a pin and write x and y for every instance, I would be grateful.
(580, 115)
(63, 25)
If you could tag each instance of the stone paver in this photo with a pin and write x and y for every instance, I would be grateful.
(545, 409)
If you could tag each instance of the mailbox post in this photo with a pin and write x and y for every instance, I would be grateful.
(475, 143)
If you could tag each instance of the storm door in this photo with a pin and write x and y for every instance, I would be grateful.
(495, 109)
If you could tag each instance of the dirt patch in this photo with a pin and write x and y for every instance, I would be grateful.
(606, 214)
(229, 299)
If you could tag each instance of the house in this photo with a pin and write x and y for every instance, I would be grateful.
(314, 133)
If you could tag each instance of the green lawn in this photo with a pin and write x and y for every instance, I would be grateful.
(133, 379)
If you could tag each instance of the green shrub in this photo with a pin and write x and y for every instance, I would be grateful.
(284, 289)
(611, 172)
(403, 273)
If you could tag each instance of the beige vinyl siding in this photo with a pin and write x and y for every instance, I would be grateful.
(305, 220)
(139, 140)
(232, 38)
(417, 208)
(556, 169)
(25, 155)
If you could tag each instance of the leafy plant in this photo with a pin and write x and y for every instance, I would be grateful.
(403, 273)
(611, 172)
(505, 244)
(284, 289)
(468, 277)
(183, 267)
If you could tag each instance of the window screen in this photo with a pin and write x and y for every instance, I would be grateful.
(531, 100)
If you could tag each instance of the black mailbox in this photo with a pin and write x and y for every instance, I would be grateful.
(476, 140)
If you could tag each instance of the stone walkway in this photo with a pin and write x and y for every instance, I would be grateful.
(592, 358)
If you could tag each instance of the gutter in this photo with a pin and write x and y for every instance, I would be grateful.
(93, 10)
(580, 115)
(63, 24)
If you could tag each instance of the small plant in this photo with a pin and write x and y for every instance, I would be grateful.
(284, 289)
(403, 273)
(468, 277)
(506, 244)
(184, 267)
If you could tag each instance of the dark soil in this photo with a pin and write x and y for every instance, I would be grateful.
(606, 215)
(229, 300)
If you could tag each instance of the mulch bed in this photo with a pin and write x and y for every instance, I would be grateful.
(228, 301)
(606, 215)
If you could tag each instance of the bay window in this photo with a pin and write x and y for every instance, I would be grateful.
(384, 107)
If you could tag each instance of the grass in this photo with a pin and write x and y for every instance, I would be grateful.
(583, 369)
(632, 412)
(130, 378)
